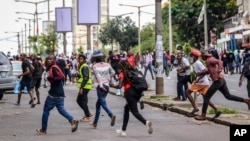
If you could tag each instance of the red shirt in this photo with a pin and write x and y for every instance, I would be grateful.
(131, 60)
(214, 68)
(126, 85)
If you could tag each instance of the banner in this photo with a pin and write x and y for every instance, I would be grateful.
(200, 19)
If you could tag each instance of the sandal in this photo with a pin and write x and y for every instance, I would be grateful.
(85, 119)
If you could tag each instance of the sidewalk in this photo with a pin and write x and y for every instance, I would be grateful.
(165, 102)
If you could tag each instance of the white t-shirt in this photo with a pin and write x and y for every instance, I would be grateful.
(186, 63)
(199, 67)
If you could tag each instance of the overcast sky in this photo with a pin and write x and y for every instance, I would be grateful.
(8, 9)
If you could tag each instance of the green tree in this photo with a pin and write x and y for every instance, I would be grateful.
(185, 14)
(147, 38)
(121, 30)
(49, 42)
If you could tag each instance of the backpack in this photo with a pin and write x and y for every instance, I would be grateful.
(138, 82)
(214, 53)
(246, 68)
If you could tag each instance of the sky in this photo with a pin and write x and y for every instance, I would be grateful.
(11, 24)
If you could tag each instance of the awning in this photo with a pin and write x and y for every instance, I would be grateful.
(237, 28)
(245, 33)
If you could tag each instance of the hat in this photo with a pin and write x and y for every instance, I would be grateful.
(97, 53)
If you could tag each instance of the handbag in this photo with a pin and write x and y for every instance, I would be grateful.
(17, 86)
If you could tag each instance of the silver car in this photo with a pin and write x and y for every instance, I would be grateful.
(7, 78)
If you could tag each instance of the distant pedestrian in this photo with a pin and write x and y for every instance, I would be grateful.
(132, 97)
(148, 64)
(103, 73)
(215, 70)
(36, 76)
(84, 84)
(55, 97)
(26, 80)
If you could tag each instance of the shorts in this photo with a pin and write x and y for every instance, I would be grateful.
(25, 84)
(36, 82)
(202, 89)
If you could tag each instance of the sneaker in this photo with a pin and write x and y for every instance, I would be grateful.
(113, 120)
(92, 124)
(149, 126)
(121, 132)
(41, 131)
(17, 104)
(74, 126)
(176, 99)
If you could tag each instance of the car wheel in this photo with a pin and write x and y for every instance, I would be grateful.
(1, 95)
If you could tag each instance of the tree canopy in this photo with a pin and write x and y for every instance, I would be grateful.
(121, 30)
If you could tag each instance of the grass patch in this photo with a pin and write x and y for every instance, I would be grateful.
(223, 110)
(159, 98)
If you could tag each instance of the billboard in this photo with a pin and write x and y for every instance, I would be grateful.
(88, 12)
(64, 19)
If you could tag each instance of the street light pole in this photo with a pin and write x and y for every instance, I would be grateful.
(170, 27)
(139, 20)
(36, 14)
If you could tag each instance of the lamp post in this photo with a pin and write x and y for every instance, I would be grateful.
(170, 27)
(139, 20)
(35, 15)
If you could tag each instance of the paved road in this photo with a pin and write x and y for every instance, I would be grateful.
(218, 98)
(18, 123)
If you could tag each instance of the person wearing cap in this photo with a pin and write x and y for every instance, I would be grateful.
(215, 70)
(200, 84)
(103, 73)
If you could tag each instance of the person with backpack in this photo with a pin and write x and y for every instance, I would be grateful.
(55, 97)
(36, 76)
(133, 91)
(246, 73)
(215, 70)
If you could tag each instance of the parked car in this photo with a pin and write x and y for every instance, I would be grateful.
(17, 67)
(7, 78)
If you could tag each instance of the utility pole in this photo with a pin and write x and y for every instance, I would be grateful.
(159, 49)
(64, 38)
(205, 25)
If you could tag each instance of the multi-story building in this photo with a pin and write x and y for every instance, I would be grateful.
(237, 28)
(79, 38)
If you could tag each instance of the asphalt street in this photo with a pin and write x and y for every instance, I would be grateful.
(18, 123)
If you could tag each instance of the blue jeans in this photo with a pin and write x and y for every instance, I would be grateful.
(50, 103)
(182, 86)
(101, 101)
